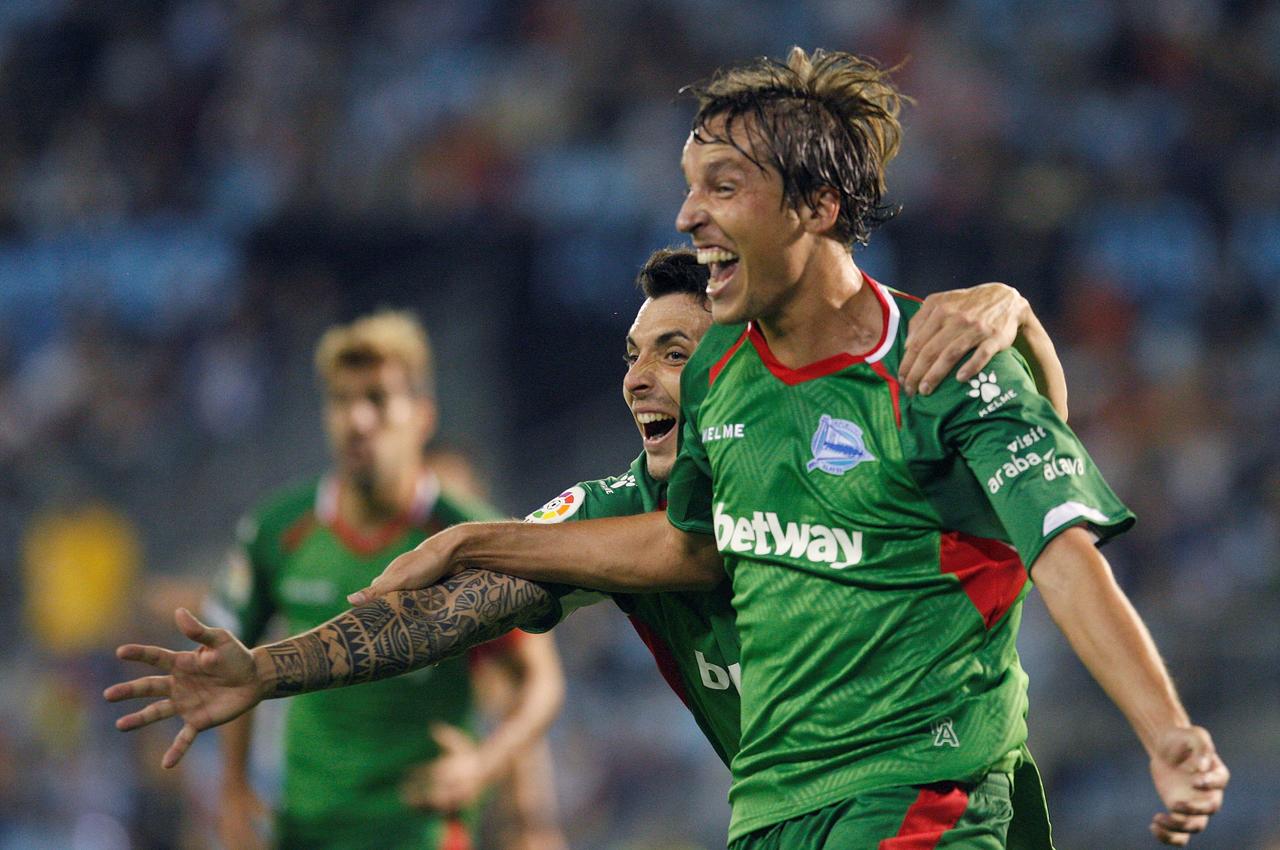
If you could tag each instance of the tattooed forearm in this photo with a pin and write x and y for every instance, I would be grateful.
(405, 630)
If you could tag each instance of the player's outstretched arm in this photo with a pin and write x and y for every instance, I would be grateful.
(986, 319)
(221, 679)
(1109, 637)
(643, 552)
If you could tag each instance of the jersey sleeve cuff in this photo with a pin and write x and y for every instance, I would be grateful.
(1071, 514)
(565, 600)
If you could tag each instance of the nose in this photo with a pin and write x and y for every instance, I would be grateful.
(361, 417)
(639, 378)
(691, 215)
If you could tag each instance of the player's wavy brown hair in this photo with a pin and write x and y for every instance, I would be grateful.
(371, 340)
(829, 119)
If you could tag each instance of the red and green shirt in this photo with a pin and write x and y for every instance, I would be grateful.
(346, 750)
(875, 544)
(691, 634)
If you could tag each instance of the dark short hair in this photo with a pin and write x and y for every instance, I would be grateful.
(674, 270)
(826, 120)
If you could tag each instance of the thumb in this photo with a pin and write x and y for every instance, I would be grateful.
(365, 595)
(384, 583)
(388, 580)
(450, 738)
(196, 630)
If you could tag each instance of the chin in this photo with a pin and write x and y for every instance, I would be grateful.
(659, 467)
(727, 314)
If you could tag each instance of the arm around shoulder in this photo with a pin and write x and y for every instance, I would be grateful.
(637, 553)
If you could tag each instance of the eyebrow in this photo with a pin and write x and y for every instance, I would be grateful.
(721, 164)
(662, 339)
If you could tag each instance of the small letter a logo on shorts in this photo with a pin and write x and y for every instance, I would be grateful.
(944, 733)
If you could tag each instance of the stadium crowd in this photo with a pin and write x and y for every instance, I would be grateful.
(192, 191)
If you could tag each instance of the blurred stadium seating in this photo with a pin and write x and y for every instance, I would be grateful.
(190, 191)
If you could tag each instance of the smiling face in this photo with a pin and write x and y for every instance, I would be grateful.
(756, 245)
(660, 342)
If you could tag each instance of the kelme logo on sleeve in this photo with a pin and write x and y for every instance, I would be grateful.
(837, 446)
(986, 390)
(765, 534)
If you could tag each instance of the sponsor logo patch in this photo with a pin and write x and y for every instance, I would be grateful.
(763, 533)
(986, 389)
(718, 678)
(728, 431)
(628, 480)
(837, 446)
(561, 507)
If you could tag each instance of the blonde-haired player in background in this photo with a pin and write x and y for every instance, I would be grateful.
(394, 763)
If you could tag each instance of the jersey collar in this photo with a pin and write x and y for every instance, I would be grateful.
(890, 318)
(425, 495)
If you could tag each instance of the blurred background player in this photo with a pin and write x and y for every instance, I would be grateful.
(392, 765)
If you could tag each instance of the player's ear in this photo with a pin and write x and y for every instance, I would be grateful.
(819, 211)
(428, 416)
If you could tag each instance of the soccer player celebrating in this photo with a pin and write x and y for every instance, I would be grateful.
(391, 760)
(690, 633)
(878, 543)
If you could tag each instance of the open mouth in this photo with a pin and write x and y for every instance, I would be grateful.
(720, 263)
(655, 425)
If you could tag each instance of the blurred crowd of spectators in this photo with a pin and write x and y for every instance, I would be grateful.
(191, 190)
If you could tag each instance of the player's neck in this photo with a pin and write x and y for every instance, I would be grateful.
(831, 311)
(364, 504)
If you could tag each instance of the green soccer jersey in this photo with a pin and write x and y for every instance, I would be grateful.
(867, 538)
(346, 750)
(691, 634)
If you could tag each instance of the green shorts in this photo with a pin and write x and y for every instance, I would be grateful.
(940, 816)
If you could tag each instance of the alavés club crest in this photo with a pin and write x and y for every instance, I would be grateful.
(837, 446)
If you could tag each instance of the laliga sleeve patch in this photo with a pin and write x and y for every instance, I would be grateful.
(561, 507)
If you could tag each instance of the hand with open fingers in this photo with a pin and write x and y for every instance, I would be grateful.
(454, 780)
(1189, 777)
(985, 318)
(205, 687)
(420, 567)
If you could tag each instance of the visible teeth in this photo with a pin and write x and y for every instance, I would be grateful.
(706, 256)
(646, 418)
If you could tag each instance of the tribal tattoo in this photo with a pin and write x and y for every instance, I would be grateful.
(405, 630)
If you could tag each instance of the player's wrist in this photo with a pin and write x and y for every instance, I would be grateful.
(265, 679)
(460, 545)
(1160, 734)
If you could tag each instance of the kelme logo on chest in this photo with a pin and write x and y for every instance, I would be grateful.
(837, 446)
